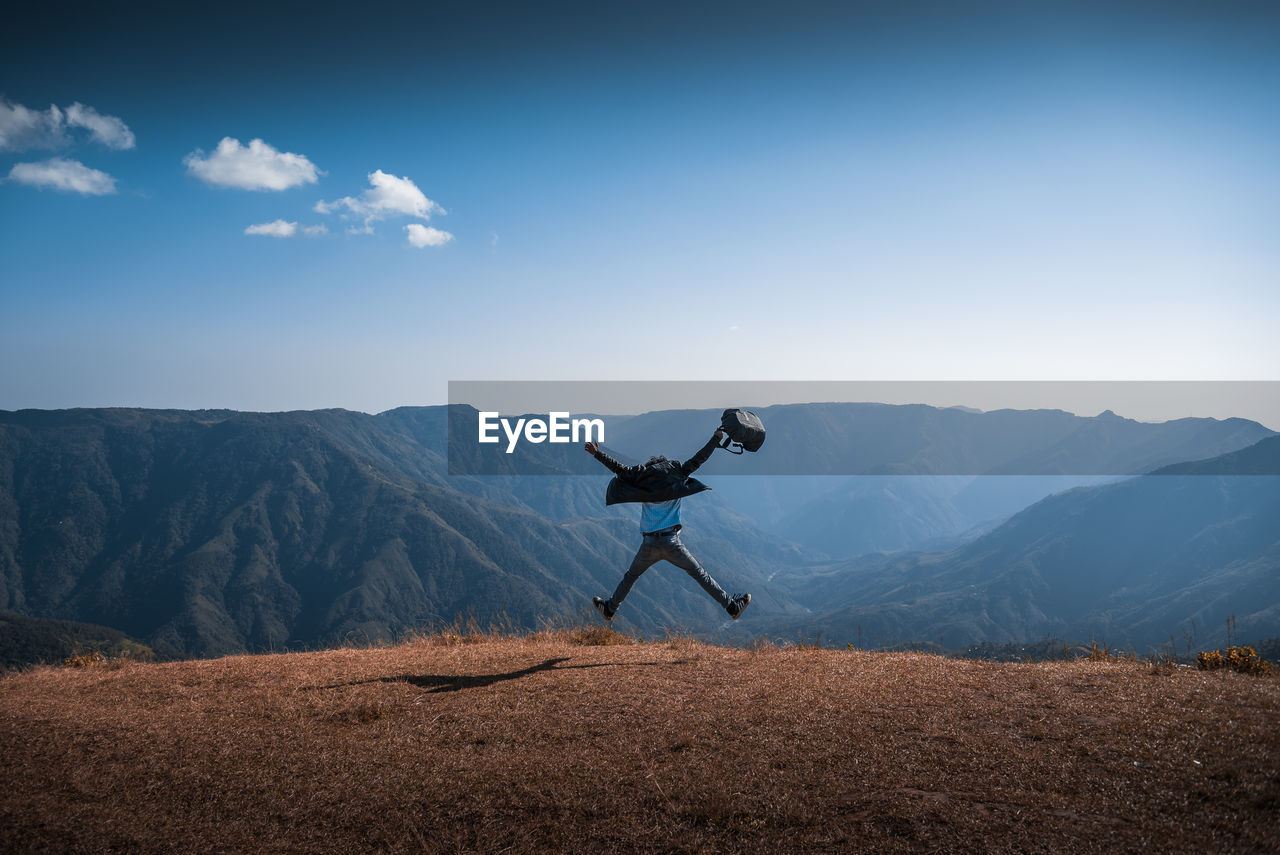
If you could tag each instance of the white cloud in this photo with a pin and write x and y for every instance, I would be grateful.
(423, 236)
(108, 130)
(255, 167)
(285, 229)
(275, 228)
(387, 196)
(22, 128)
(63, 175)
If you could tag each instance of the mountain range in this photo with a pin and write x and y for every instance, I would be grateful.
(1160, 559)
(209, 532)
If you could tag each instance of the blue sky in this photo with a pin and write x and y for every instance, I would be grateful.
(728, 191)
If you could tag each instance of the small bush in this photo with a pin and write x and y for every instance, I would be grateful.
(1237, 658)
(92, 659)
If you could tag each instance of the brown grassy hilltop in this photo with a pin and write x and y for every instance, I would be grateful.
(547, 743)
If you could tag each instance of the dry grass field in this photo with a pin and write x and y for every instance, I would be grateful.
(559, 743)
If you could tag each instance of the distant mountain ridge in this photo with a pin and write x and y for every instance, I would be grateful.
(886, 439)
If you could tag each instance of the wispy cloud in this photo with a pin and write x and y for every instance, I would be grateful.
(286, 229)
(387, 196)
(258, 166)
(67, 176)
(423, 236)
(275, 228)
(23, 129)
(107, 130)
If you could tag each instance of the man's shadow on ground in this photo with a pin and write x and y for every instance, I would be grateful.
(453, 683)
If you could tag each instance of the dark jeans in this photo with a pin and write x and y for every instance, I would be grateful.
(666, 547)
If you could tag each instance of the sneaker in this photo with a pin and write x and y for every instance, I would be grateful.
(603, 607)
(738, 605)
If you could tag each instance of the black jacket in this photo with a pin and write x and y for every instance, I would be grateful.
(659, 481)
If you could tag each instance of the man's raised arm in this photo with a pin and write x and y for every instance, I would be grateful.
(691, 465)
(593, 448)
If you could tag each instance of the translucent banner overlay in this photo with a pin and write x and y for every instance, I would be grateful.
(872, 427)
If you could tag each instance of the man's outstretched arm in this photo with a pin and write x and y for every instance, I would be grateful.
(691, 465)
(593, 448)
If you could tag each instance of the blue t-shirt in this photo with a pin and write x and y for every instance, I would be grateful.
(655, 516)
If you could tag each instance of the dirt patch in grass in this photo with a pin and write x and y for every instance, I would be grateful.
(585, 744)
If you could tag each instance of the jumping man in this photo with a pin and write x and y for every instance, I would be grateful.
(659, 485)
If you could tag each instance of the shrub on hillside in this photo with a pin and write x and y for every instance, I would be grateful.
(1237, 658)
